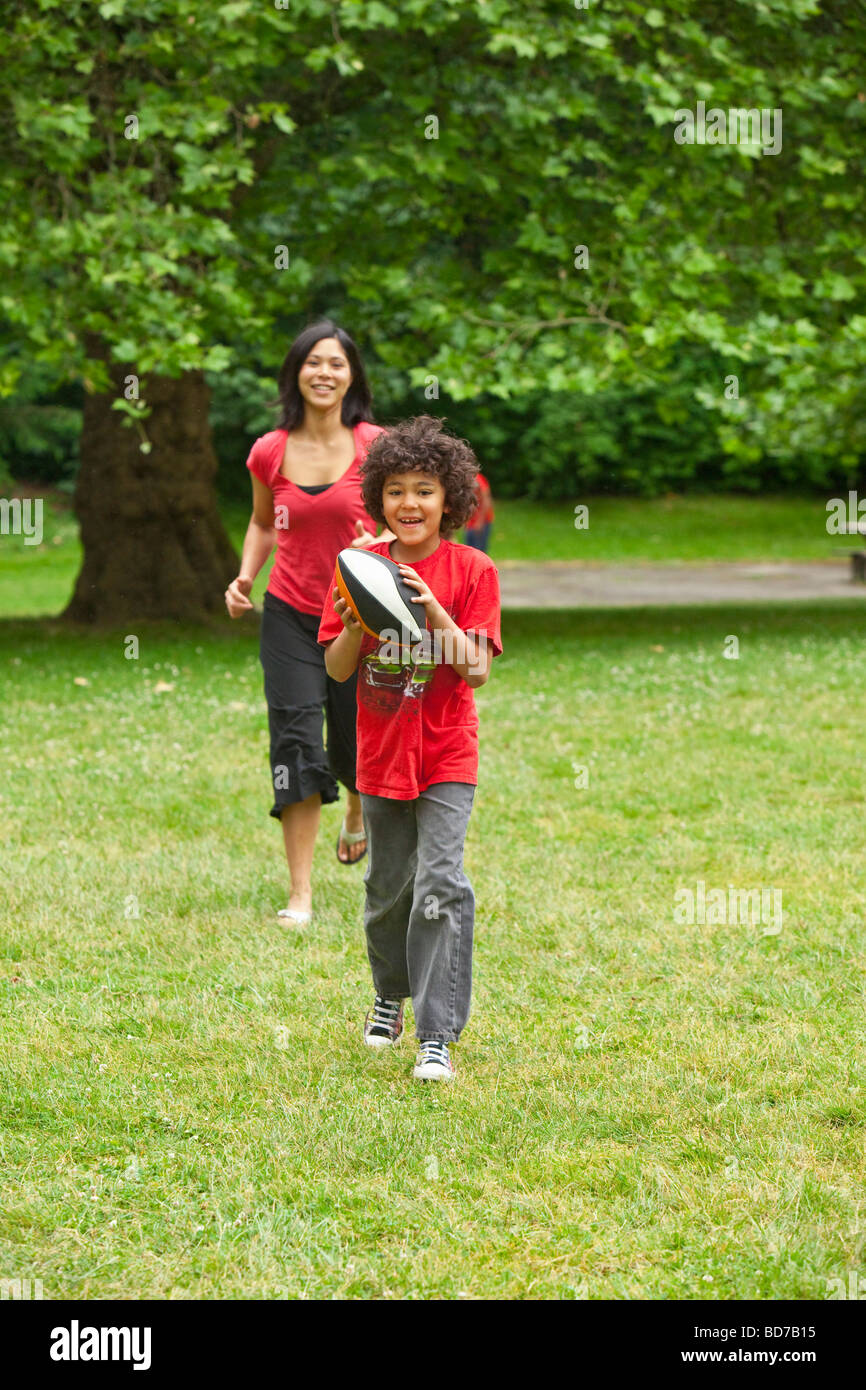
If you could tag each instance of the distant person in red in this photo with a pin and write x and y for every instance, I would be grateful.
(478, 526)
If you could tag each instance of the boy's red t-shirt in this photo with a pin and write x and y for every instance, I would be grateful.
(319, 524)
(417, 724)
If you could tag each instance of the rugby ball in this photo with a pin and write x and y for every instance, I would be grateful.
(378, 596)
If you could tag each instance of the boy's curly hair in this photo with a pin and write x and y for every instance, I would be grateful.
(421, 444)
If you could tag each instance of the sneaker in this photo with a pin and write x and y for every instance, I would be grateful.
(433, 1062)
(383, 1025)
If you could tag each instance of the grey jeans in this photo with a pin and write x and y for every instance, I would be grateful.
(420, 909)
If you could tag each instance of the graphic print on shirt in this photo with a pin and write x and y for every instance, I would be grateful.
(385, 682)
(394, 671)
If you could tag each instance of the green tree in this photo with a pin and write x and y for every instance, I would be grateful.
(493, 187)
(134, 129)
(496, 152)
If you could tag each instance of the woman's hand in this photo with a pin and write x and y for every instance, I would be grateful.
(238, 596)
(345, 614)
(363, 537)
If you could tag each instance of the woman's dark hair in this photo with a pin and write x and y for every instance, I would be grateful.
(358, 400)
(422, 445)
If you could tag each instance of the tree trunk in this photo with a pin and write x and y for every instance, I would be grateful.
(154, 543)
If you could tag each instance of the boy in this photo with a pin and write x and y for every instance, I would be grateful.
(418, 737)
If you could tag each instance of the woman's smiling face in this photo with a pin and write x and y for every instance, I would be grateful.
(325, 376)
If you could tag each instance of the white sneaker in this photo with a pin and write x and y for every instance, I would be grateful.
(433, 1062)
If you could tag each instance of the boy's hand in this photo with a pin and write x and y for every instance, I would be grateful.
(345, 614)
(436, 615)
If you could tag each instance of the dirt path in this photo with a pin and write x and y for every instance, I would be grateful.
(558, 585)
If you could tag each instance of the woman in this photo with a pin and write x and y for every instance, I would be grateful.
(307, 498)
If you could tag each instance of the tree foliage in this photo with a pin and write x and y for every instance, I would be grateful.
(431, 169)
(555, 132)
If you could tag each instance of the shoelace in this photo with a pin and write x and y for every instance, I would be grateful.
(432, 1050)
(386, 1012)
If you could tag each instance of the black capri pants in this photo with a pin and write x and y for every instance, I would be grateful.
(300, 695)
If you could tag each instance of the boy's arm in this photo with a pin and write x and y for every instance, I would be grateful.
(470, 656)
(341, 655)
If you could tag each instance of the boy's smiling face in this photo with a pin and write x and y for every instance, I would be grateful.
(413, 504)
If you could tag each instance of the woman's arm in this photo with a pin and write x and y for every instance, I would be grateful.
(259, 541)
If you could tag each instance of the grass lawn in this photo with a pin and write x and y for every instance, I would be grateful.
(644, 1108)
(661, 530)
(664, 530)
(667, 529)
